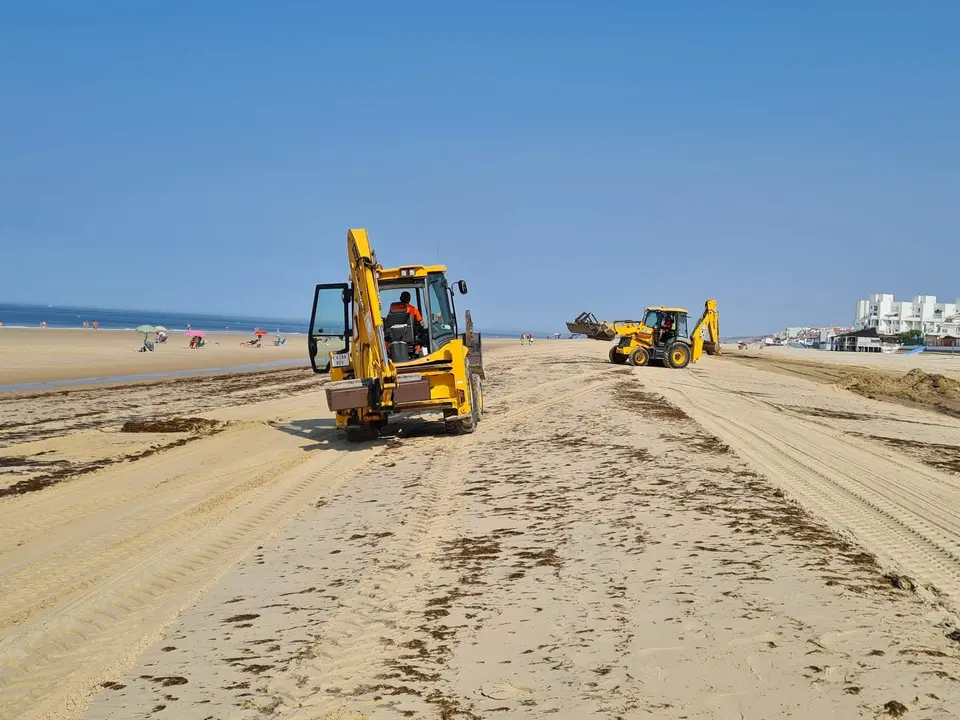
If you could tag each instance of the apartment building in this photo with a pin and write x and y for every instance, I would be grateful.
(923, 313)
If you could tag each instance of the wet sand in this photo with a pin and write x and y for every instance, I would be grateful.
(721, 542)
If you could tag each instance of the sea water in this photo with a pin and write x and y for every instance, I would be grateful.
(56, 316)
(60, 316)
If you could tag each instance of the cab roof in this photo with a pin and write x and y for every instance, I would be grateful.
(407, 271)
(666, 309)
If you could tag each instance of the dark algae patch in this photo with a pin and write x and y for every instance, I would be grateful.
(241, 618)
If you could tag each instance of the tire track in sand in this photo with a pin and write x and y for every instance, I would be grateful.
(387, 605)
(900, 516)
(51, 671)
(51, 667)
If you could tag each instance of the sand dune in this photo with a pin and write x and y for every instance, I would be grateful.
(611, 542)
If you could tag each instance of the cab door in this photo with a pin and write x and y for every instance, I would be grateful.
(329, 324)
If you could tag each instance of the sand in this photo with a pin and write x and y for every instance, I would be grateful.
(897, 363)
(35, 355)
(721, 542)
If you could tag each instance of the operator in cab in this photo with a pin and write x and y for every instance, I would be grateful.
(404, 306)
(419, 330)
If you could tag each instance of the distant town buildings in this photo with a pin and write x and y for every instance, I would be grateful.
(923, 313)
(814, 337)
(879, 325)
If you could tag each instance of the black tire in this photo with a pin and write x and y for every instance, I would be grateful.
(476, 397)
(615, 357)
(362, 433)
(678, 355)
(640, 357)
(465, 424)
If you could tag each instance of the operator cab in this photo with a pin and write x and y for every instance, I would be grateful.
(668, 324)
(420, 315)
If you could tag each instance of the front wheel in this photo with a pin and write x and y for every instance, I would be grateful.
(640, 357)
(678, 355)
(615, 357)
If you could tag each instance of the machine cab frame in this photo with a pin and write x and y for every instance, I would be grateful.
(407, 340)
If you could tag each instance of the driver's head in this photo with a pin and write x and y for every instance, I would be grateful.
(405, 297)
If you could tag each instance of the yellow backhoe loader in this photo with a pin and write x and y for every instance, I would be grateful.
(401, 349)
(660, 337)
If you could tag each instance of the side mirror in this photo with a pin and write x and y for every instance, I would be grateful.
(462, 286)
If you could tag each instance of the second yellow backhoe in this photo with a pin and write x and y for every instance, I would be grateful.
(402, 350)
(661, 337)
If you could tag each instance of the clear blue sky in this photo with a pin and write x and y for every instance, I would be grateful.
(785, 158)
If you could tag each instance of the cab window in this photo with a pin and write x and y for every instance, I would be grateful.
(441, 316)
(391, 294)
(652, 318)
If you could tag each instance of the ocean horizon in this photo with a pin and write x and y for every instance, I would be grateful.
(23, 315)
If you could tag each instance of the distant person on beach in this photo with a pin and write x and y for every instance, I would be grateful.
(43, 324)
(96, 324)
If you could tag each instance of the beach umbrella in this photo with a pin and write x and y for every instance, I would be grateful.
(159, 328)
(260, 332)
(146, 329)
(194, 333)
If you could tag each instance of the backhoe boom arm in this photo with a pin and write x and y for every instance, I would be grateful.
(709, 321)
(369, 350)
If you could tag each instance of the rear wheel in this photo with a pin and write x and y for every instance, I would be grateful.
(615, 357)
(640, 357)
(362, 433)
(678, 355)
(477, 397)
(466, 424)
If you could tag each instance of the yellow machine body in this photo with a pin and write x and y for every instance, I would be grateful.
(368, 380)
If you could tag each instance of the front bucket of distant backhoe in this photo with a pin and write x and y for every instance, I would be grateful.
(587, 324)
(711, 348)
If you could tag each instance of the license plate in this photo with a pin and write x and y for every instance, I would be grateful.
(340, 360)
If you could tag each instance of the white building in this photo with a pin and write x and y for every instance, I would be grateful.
(923, 313)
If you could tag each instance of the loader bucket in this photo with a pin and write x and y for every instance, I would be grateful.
(587, 324)
(711, 348)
